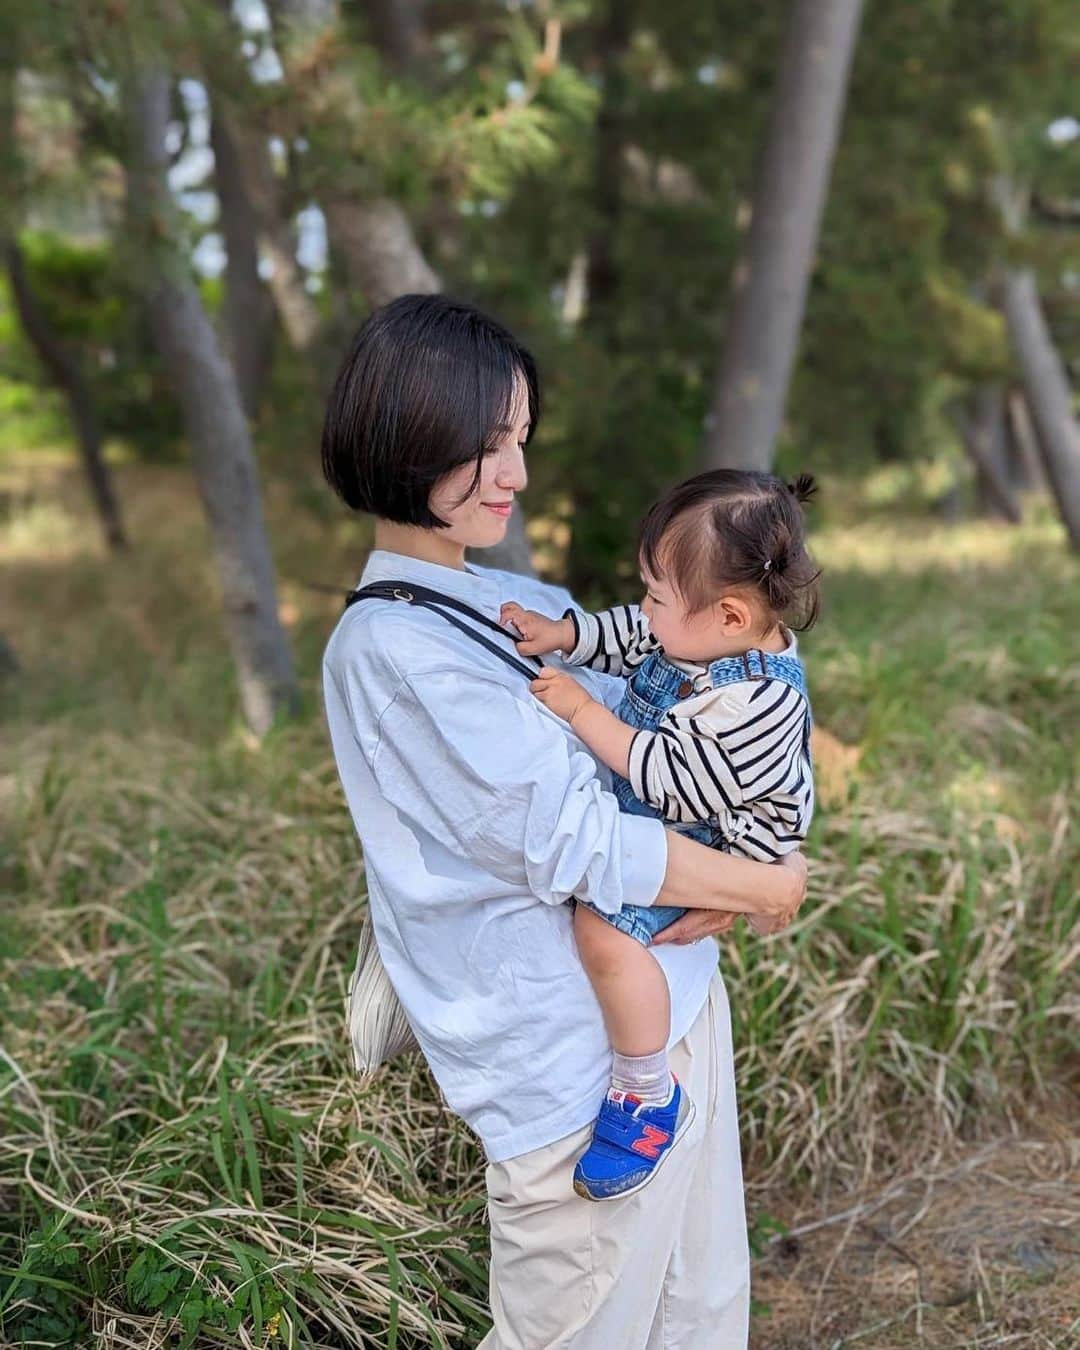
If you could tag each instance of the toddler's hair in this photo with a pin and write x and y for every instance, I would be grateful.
(735, 527)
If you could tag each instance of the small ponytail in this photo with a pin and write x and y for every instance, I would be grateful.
(804, 488)
(789, 578)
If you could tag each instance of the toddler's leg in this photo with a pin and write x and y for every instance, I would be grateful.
(645, 1113)
(633, 996)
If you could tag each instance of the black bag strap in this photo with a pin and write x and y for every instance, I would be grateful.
(422, 596)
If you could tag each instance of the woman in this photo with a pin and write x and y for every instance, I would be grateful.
(481, 814)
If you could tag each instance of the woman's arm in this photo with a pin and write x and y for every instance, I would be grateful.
(493, 778)
(699, 877)
(696, 924)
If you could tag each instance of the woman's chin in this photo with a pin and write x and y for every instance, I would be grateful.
(494, 532)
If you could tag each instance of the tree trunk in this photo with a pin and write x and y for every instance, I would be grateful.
(1028, 473)
(9, 661)
(596, 531)
(1047, 391)
(374, 236)
(257, 183)
(217, 428)
(246, 152)
(602, 269)
(382, 257)
(249, 308)
(984, 436)
(66, 375)
(772, 276)
(399, 33)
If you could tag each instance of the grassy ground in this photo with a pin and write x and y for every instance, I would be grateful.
(184, 1155)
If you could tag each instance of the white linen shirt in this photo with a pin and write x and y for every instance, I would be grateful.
(480, 813)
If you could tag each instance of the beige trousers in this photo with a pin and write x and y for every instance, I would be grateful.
(665, 1269)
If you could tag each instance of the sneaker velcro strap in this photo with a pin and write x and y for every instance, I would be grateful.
(616, 1127)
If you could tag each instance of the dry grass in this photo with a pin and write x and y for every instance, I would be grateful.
(184, 1156)
(976, 1247)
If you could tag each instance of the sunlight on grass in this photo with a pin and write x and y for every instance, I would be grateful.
(46, 530)
(879, 548)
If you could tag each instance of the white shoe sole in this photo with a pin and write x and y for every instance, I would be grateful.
(579, 1186)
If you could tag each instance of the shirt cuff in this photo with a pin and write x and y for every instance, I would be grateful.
(644, 858)
(586, 635)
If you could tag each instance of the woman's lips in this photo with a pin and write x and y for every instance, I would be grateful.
(500, 508)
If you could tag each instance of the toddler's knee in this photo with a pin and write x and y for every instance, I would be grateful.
(602, 946)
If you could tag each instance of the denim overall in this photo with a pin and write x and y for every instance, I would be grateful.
(654, 688)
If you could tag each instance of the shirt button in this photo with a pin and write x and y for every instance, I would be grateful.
(686, 688)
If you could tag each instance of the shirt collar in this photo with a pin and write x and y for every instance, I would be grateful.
(473, 587)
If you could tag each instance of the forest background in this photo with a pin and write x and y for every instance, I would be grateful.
(201, 202)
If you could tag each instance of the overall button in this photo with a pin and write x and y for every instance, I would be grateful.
(686, 688)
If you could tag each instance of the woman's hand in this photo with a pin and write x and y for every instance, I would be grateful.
(539, 634)
(560, 692)
(694, 925)
(765, 925)
(698, 923)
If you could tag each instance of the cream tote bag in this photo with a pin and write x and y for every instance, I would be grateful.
(378, 1028)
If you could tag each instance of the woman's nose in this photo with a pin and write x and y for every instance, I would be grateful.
(512, 473)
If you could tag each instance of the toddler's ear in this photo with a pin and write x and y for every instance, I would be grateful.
(735, 615)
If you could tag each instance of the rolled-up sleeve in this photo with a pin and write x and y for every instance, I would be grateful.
(614, 641)
(497, 779)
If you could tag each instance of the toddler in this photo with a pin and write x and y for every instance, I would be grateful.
(712, 734)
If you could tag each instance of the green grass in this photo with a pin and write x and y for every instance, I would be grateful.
(185, 1158)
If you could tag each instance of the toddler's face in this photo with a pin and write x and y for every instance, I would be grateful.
(723, 629)
(682, 635)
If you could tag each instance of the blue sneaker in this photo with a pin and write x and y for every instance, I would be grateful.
(630, 1141)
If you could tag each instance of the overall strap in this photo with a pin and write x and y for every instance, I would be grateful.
(438, 603)
(759, 665)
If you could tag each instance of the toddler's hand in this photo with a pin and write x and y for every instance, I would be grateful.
(560, 692)
(539, 634)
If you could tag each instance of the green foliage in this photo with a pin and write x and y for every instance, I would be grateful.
(89, 305)
(161, 1280)
(44, 1300)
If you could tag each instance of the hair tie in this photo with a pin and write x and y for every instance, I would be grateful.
(768, 566)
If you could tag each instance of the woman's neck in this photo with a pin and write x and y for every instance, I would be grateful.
(428, 545)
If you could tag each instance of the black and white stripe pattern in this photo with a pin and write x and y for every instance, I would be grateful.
(737, 757)
(614, 641)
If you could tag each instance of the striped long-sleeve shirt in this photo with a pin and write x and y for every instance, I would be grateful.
(736, 756)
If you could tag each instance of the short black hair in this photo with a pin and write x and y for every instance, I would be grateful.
(426, 384)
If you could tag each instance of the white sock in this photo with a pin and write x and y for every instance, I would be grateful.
(646, 1076)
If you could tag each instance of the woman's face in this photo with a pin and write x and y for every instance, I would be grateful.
(481, 520)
